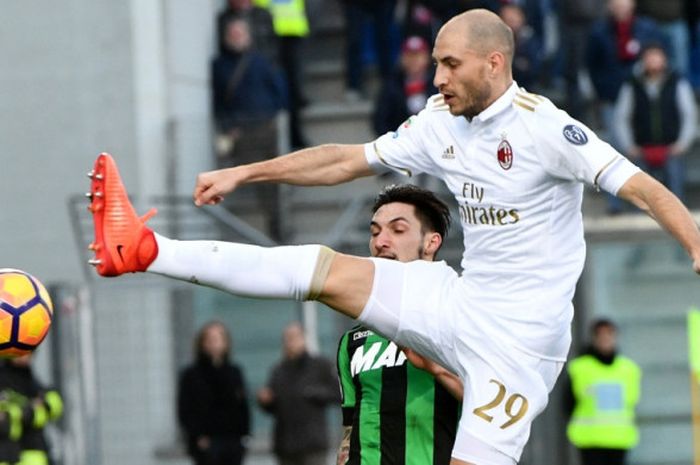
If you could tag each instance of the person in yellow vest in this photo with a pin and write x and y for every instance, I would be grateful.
(605, 390)
(39, 404)
(291, 26)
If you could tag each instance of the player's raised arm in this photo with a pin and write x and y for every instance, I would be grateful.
(324, 165)
(651, 196)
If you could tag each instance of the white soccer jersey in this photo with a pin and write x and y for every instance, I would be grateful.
(516, 171)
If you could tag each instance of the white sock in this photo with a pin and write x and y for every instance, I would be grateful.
(241, 269)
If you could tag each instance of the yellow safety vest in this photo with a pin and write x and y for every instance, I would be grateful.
(288, 16)
(606, 396)
(33, 457)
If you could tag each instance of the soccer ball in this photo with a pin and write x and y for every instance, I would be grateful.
(25, 313)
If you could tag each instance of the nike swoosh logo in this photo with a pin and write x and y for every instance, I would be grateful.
(119, 251)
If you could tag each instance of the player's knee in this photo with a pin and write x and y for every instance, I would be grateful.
(347, 284)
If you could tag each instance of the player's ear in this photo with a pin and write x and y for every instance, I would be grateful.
(431, 243)
(496, 62)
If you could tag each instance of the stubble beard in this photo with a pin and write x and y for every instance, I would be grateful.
(480, 96)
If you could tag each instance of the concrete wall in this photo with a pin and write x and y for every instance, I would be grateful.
(80, 77)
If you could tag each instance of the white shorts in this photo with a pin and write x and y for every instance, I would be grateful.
(422, 305)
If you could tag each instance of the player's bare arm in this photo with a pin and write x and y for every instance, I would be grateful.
(344, 448)
(324, 165)
(655, 199)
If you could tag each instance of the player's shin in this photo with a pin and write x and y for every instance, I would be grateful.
(288, 272)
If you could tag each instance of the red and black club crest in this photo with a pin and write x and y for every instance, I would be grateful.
(505, 154)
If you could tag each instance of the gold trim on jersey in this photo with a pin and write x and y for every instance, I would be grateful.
(437, 103)
(600, 171)
(405, 171)
(523, 105)
(530, 98)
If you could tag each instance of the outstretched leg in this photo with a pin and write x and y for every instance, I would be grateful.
(123, 243)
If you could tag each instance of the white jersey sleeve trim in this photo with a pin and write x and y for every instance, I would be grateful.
(379, 164)
(615, 174)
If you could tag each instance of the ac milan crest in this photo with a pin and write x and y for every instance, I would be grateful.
(505, 154)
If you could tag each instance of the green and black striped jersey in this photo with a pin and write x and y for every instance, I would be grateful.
(400, 415)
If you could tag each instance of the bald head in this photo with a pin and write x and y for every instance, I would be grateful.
(482, 31)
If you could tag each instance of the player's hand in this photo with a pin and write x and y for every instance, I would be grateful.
(696, 265)
(422, 363)
(212, 186)
(265, 396)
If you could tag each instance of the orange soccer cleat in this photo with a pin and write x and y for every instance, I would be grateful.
(123, 243)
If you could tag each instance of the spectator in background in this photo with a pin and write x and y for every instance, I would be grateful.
(614, 46)
(40, 405)
(11, 413)
(291, 28)
(527, 59)
(299, 388)
(576, 19)
(247, 95)
(408, 89)
(656, 118)
(260, 23)
(424, 18)
(358, 13)
(670, 16)
(213, 402)
(604, 392)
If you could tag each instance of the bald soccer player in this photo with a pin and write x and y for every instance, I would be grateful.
(516, 166)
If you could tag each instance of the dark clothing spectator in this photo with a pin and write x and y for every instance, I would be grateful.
(392, 105)
(302, 389)
(257, 95)
(408, 89)
(39, 405)
(527, 59)
(656, 120)
(261, 28)
(358, 13)
(613, 49)
(247, 95)
(575, 20)
(670, 16)
(528, 54)
(297, 393)
(11, 414)
(213, 403)
(291, 27)
(424, 18)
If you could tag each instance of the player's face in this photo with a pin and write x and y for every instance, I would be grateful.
(396, 233)
(461, 74)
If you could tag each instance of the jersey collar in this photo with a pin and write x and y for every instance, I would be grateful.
(501, 103)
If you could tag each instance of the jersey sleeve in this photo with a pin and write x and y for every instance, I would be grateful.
(570, 150)
(347, 387)
(403, 150)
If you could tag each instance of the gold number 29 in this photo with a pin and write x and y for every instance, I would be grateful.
(511, 412)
